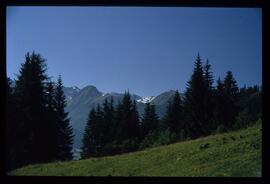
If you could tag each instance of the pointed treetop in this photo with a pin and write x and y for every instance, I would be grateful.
(198, 56)
(219, 80)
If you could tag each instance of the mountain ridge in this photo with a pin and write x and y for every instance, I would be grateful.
(82, 101)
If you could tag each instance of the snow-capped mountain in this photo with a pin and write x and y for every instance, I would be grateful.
(80, 102)
(146, 99)
(70, 92)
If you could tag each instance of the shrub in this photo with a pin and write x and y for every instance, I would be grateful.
(165, 137)
(158, 138)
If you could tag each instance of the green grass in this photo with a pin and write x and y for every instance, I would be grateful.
(229, 154)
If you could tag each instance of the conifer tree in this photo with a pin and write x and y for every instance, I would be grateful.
(219, 118)
(112, 125)
(108, 111)
(208, 75)
(117, 136)
(30, 97)
(209, 98)
(124, 117)
(65, 134)
(89, 137)
(134, 128)
(13, 124)
(232, 96)
(194, 102)
(52, 127)
(174, 115)
(99, 130)
(128, 119)
(146, 120)
(149, 119)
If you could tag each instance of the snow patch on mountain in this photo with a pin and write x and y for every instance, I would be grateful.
(147, 99)
(76, 88)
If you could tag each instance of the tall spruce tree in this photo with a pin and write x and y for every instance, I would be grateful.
(209, 98)
(219, 118)
(51, 118)
(100, 130)
(108, 113)
(231, 93)
(30, 97)
(112, 122)
(134, 127)
(89, 137)
(149, 119)
(128, 119)
(117, 135)
(195, 107)
(124, 117)
(146, 120)
(13, 134)
(65, 134)
(174, 115)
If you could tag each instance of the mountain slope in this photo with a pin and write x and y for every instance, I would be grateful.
(70, 92)
(80, 105)
(229, 154)
(80, 102)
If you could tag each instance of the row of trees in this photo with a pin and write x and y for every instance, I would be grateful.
(108, 129)
(203, 110)
(37, 128)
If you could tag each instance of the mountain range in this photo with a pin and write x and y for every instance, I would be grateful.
(81, 101)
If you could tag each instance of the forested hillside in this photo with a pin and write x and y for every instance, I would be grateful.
(39, 131)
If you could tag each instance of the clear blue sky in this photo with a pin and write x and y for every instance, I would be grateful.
(145, 50)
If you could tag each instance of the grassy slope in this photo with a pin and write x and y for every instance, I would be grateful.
(229, 154)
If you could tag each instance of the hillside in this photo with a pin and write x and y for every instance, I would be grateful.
(229, 154)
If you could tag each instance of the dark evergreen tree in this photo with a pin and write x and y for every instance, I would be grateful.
(149, 120)
(65, 134)
(30, 97)
(209, 100)
(154, 117)
(219, 109)
(52, 127)
(127, 123)
(194, 103)
(146, 120)
(117, 136)
(124, 118)
(245, 94)
(174, 116)
(13, 134)
(231, 103)
(108, 111)
(250, 106)
(208, 75)
(134, 127)
(89, 137)
(99, 130)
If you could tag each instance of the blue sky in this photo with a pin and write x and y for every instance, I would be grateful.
(147, 50)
